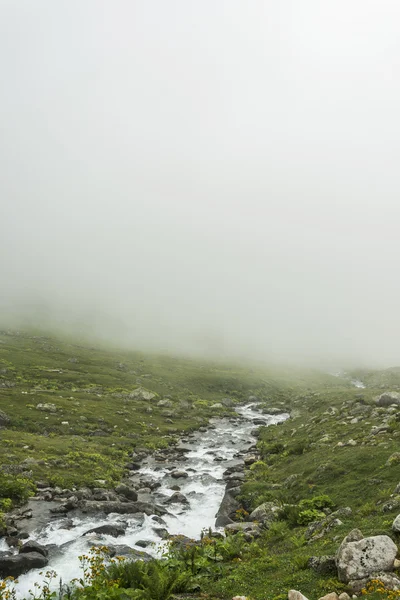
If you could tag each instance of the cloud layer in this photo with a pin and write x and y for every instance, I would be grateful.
(205, 176)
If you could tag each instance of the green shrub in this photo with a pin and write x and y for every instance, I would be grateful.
(17, 489)
(318, 502)
(309, 515)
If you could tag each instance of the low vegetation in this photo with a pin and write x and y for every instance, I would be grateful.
(338, 453)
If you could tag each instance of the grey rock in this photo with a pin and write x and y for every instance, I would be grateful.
(228, 507)
(165, 404)
(17, 564)
(177, 498)
(33, 546)
(390, 581)
(128, 492)
(396, 524)
(388, 398)
(143, 543)
(84, 494)
(123, 508)
(47, 407)
(361, 558)
(392, 504)
(295, 595)
(259, 421)
(162, 532)
(141, 394)
(179, 474)
(113, 530)
(266, 512)
(102, 495)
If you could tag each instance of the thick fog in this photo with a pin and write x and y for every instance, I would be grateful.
(212, 176)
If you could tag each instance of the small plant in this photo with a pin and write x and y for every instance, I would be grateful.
(7, 589)
(309, 515)
(318, 502)
(378, 588)
(241, 514)
(43, 591)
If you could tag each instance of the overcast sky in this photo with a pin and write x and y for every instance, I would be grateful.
(205, 175)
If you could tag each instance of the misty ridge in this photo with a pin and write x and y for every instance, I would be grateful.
(204, 178)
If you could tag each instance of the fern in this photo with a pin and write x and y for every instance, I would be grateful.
(154, 580)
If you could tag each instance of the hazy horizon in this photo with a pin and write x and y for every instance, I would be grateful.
(204, 177)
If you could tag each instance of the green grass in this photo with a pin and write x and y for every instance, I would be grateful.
(91, 394)
(89, 387)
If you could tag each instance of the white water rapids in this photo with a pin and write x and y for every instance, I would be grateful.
(204, 489)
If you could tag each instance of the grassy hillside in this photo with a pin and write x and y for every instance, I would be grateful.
(338, 451)
(94, 424)
(339, 445)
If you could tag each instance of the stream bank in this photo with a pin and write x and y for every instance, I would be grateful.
(174, 493)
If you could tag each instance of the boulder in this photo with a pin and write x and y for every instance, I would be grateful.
(177, 498)
(141, 394)
(392, 504)
(295, 595)
(102, 495)
(359, 558)
(165, 403)
(127, 552)
(331, 596)
(47, 407)
(179, 474)
(162, 532)
(33, 546)
(128, 492)
(113, 530)
(143, 543)
(388, 398)
(17, 564)
(228, 507)
(123, 508)
(265, 513)
(396, 524)
(83, 494)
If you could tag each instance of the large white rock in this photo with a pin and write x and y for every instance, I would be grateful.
(265, 512)
(47, 407)
(295, 595)
(359, 558)
(396, 524)
(141, 394)
(331, 596)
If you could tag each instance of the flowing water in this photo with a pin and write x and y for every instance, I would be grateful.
(208, 455)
